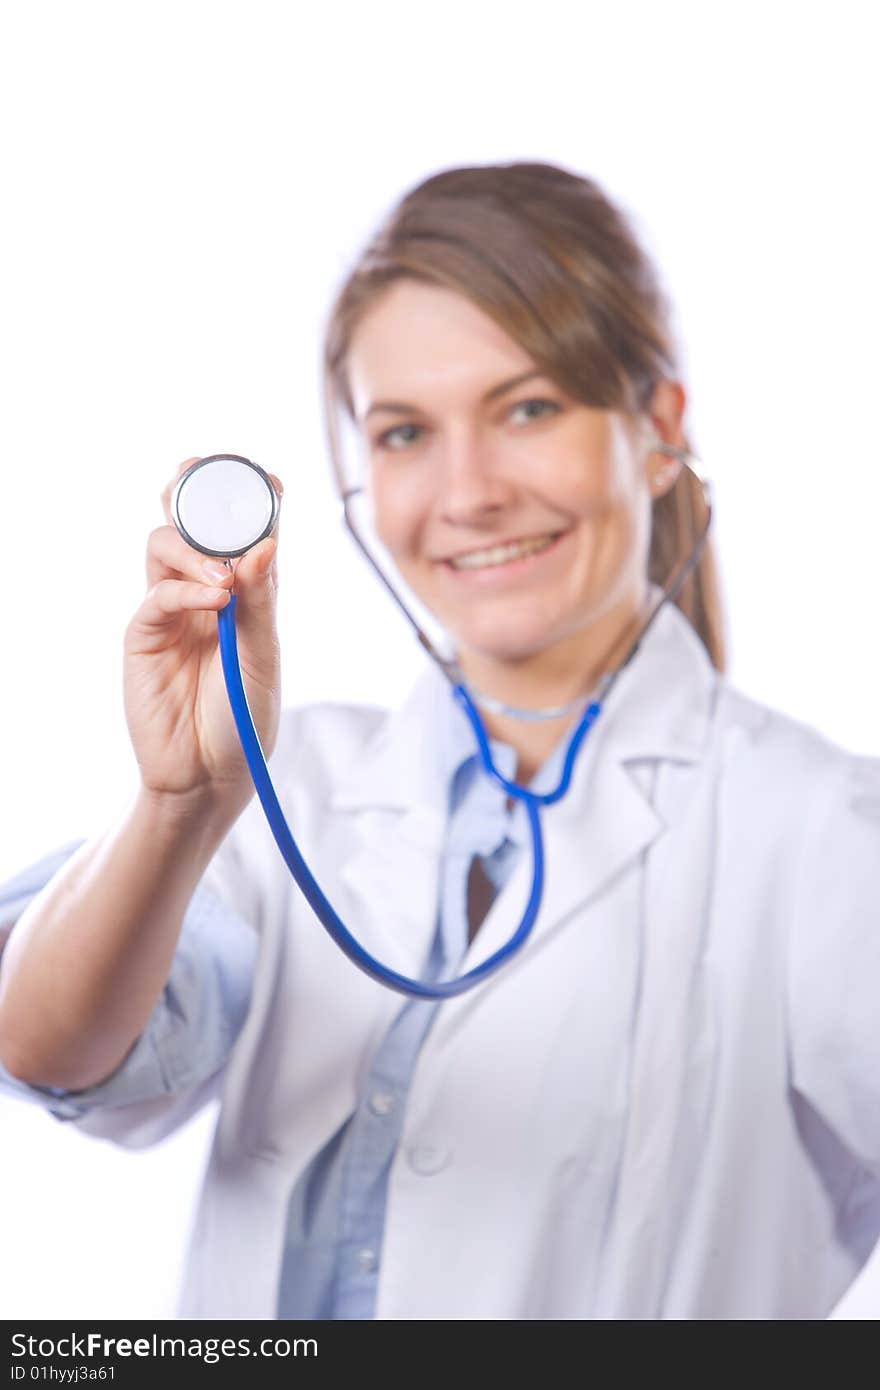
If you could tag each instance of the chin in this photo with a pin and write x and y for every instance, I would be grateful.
(500, 647)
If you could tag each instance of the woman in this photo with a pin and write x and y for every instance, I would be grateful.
(666, 1104)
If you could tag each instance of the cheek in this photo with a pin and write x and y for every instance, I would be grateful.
(590, 480)
(396, 513)
(593, 496)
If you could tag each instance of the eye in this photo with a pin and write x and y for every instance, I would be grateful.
(536, 400)
(383, 441)
(387, 440)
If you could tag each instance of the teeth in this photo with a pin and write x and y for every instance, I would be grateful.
(501, 553)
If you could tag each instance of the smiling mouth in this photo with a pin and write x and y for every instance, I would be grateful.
(503, 554)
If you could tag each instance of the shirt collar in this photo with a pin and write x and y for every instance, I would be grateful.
(461, 767)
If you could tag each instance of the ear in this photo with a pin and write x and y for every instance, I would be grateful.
(665, 414)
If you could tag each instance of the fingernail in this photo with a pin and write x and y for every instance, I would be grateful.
(216, 572)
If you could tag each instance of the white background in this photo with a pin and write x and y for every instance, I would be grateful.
(184, 186)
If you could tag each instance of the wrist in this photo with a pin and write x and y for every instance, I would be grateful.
(195, 814)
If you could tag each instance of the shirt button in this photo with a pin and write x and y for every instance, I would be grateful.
(381, 1102)
(367, 1259)
(428, 1158)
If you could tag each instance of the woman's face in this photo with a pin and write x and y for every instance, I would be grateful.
(519, 516)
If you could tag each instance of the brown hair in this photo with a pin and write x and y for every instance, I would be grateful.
(545, 254)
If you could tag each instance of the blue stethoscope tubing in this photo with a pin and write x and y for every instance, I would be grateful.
(322, 908)
(442, 989)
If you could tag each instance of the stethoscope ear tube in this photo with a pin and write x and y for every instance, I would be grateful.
(322, 908)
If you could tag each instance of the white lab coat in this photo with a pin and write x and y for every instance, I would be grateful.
(666, 1106)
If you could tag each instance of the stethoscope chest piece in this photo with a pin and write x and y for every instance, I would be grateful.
(224, 504)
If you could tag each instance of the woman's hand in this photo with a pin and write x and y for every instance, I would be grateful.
(176, 703)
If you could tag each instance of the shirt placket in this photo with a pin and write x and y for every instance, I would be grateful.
(479, 825)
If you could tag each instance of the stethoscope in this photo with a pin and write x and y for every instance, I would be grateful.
(225, 504)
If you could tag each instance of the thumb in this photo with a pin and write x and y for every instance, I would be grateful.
(255, 566)
(254, 588)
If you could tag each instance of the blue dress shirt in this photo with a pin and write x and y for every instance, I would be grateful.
(336, 1213)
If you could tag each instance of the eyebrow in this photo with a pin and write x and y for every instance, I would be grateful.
(401, 407)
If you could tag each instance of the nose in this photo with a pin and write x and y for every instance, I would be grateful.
(472, 479)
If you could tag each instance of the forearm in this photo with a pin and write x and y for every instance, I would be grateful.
(89, 957)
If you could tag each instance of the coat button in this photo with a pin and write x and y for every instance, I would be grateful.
(382, 1102)
(428, 1158)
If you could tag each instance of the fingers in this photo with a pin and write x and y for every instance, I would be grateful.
(181, 578)
(256, 575)
(170, 557)
(170, 597)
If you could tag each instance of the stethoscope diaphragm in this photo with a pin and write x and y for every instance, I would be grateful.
(224, 505)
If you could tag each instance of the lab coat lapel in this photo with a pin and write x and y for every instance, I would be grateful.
(657, 709)
(603, 823)
(396, 798)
